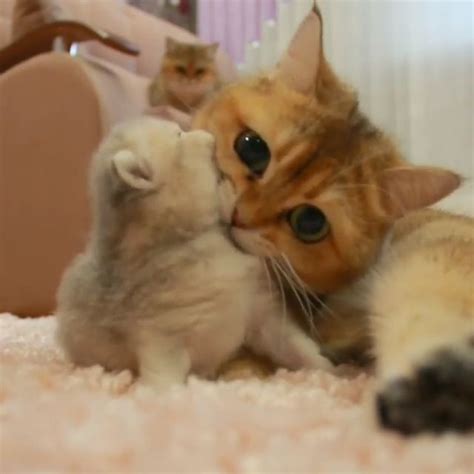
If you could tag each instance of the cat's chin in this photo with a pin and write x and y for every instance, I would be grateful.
(247, 241)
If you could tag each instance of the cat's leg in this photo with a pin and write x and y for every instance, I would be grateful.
(436, 395)
(245, 365)
(88, 343)
(162, 361)
(286, 344)
(423, 328)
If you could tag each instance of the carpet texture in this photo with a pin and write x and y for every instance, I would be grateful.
(57, 418)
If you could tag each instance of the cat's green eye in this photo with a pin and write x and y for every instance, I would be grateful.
(308, 223)
(180, 70)
(253, 152)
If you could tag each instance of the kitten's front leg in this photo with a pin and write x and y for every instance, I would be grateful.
(162, 361)
(287, 344)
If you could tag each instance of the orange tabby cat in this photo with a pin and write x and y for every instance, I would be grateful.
(315, 188)
(187, 76)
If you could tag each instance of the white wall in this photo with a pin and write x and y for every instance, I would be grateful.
(410, 60)
(412, 63)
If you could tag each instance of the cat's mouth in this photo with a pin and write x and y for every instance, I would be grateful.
(235, 241)
(247, 241)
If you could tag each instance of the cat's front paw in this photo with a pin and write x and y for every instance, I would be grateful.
(438, 397)
(246, 365)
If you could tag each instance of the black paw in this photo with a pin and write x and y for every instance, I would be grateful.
(439, 397)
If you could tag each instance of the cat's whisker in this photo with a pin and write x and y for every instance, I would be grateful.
(294, 288)
(267, 275)
(327, 310)
(267, 247)
(298, 294)
(298, 290)
(282, 291)
(310, 307)
(299, 283)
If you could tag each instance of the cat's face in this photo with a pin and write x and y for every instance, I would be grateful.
(296, 170)
(188, 68)
(314, 181)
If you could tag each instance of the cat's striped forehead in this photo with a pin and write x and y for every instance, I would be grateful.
(310, 145)
(323, 155)
(309, 152)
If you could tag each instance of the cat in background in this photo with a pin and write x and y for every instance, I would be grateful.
(160, 288)
(317, 189)
(188, 75)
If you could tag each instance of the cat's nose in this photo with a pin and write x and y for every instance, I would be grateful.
(237, 220)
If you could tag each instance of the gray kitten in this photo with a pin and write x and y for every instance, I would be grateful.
(160, 289)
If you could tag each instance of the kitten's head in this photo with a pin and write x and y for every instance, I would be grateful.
(189, 70)
(316, 184)
(151, 175)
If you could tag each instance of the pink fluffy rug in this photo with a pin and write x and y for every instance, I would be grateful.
(55, 418)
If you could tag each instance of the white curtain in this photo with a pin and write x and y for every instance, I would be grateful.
(412, 63)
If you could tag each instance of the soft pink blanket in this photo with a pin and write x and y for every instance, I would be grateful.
(56, 418)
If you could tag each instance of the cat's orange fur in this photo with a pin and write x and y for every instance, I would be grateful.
(325, 153)
(188, 75)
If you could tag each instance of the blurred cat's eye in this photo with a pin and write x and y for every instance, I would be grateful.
(180, 70)
(253, 152)
(200, 71)
(308, 223)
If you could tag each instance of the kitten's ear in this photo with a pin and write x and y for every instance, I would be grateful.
(415, 187)
(133, 171)
(170, 44)
(300, 64)
(212, 49)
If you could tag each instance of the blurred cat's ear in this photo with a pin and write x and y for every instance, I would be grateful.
(212, 49)
(300, 64)
(170, 44)
(133, 171)
(414, 187)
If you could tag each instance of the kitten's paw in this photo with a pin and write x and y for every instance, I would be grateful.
(438, 397)
(246, 365)
(318, 362)
(158, 385)
(227, 198)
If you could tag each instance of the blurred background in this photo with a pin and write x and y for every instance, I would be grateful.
(411, 61)
(72, 69)
(179, 12)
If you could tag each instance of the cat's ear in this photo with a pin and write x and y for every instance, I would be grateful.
(414, 187)
(170, 44)
(133, 171)
(212, 49)
(300, 64)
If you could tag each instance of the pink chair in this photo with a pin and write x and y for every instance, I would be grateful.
(54, 110)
